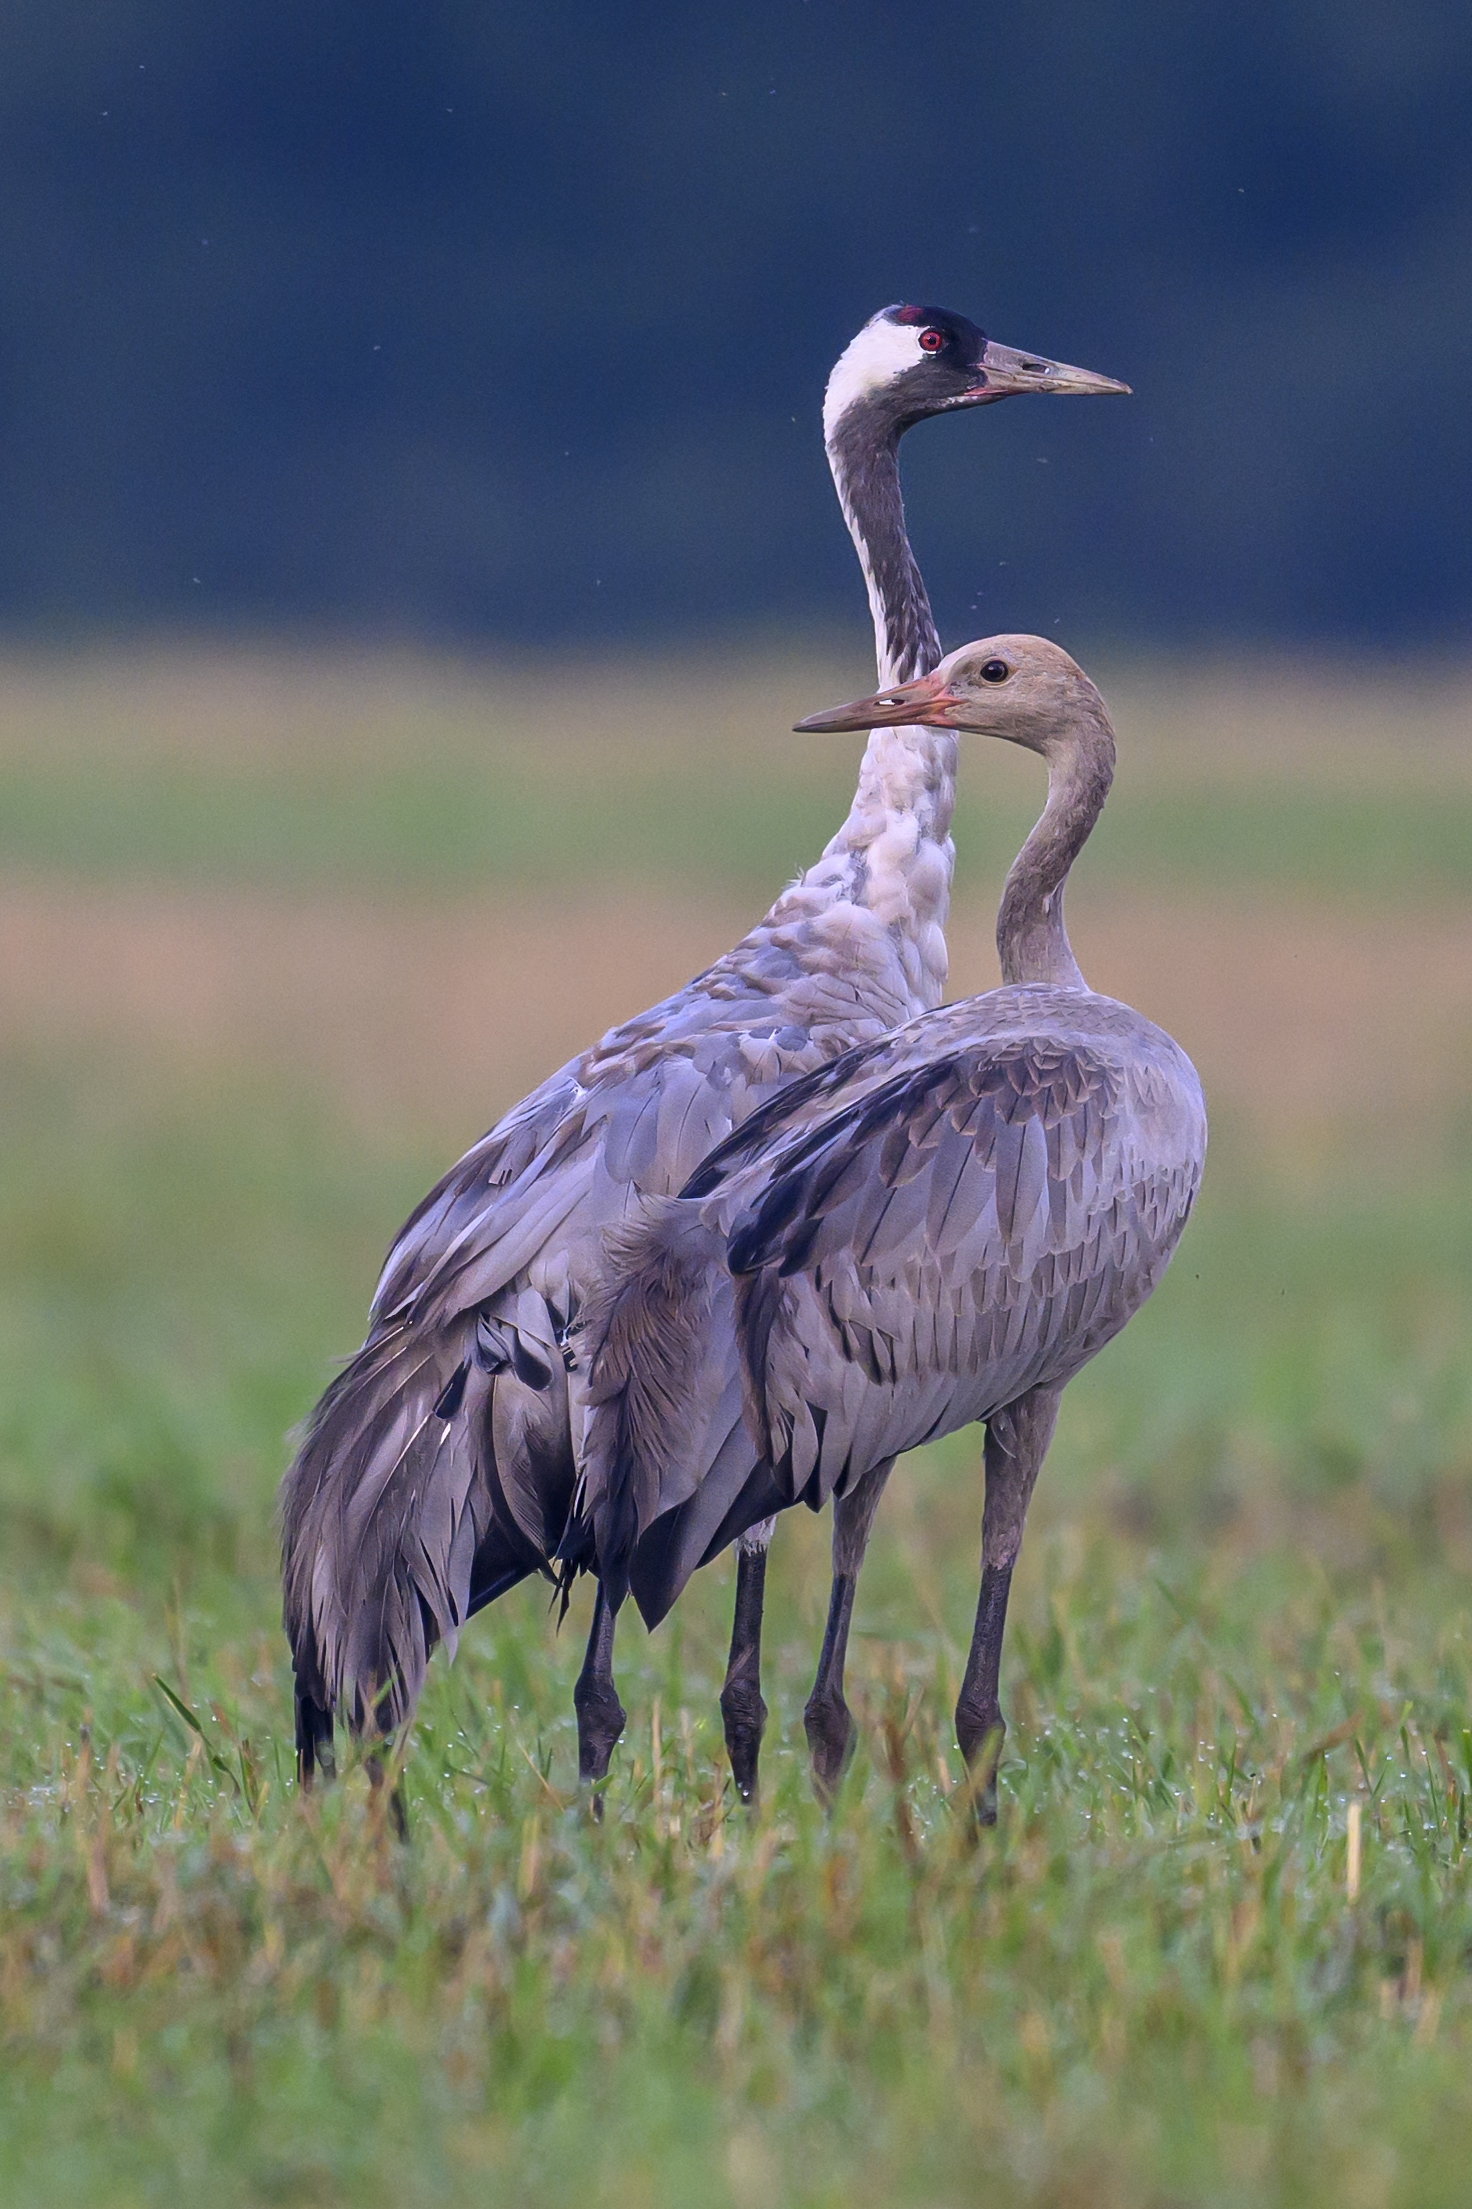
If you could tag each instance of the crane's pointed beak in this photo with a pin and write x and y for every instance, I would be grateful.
(928, 699)
(1004, 373)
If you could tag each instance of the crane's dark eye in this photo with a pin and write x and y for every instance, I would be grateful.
(995, 671)
(931, 341)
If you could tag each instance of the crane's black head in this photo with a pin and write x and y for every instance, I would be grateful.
(909, 362)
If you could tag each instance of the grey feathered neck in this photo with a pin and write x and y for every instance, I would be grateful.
(1032, 942)
(863, 454)
(891, 861)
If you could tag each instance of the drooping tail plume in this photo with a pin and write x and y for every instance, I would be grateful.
(659, 1349)
(396, 1525)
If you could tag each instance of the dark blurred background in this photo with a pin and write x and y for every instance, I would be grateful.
(511, 321)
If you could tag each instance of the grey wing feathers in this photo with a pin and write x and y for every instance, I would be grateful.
(631, 1120)
(664, 1386)
(968, 1231)
(974, 1224)
(432, 1474)
(439, 1465)
(453, 1209)
(665, 1443)
(381, 1520)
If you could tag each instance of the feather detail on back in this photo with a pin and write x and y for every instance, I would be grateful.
(653, 1333)
(918, 1234)
(397, 1524)
(968, 1232)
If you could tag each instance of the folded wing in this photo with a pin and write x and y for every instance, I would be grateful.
(975, 1225)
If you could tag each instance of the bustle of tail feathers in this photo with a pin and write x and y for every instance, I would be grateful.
(385, 1512)
(656, 1364)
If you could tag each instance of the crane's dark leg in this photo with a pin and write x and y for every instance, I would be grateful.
(826, 1719)
(1016, 1443)
(601, 1715)
(314, 1755)
(742, 1708)
(313, 1742)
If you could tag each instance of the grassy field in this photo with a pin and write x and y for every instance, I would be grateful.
(277, 937)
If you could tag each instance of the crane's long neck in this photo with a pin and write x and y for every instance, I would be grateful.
(864, 454)
(893, 855)
(1032, 942)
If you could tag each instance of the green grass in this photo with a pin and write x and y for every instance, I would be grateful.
(514, 823)
(1244, 1613)
(656, 778)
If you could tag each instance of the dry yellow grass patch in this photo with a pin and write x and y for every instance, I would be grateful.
(1253, 716)
(1307, 1023)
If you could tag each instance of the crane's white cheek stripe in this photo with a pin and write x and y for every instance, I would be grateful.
(881, 351)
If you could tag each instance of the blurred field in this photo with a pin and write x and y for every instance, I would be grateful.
(278, 935)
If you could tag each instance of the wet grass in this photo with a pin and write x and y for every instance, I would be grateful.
(1216, 1952)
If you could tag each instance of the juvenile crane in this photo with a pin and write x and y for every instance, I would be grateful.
(439, 1467)
(941, 1227)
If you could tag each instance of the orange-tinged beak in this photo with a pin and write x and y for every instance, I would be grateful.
(928, 699)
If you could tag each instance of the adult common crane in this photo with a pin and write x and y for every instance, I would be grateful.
(438, 1469)
(941, 1227)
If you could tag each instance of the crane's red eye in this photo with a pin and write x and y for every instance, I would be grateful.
(931, 341)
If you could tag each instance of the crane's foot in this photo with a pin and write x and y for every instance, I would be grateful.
(981, 1734)
(601, 1716)
(601, 1719)
(745, 1717)
(828, 1724)
(742, 1709)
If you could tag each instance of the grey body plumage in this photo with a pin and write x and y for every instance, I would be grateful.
(967, 1209)
(940, 1228)
(439, 1467)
